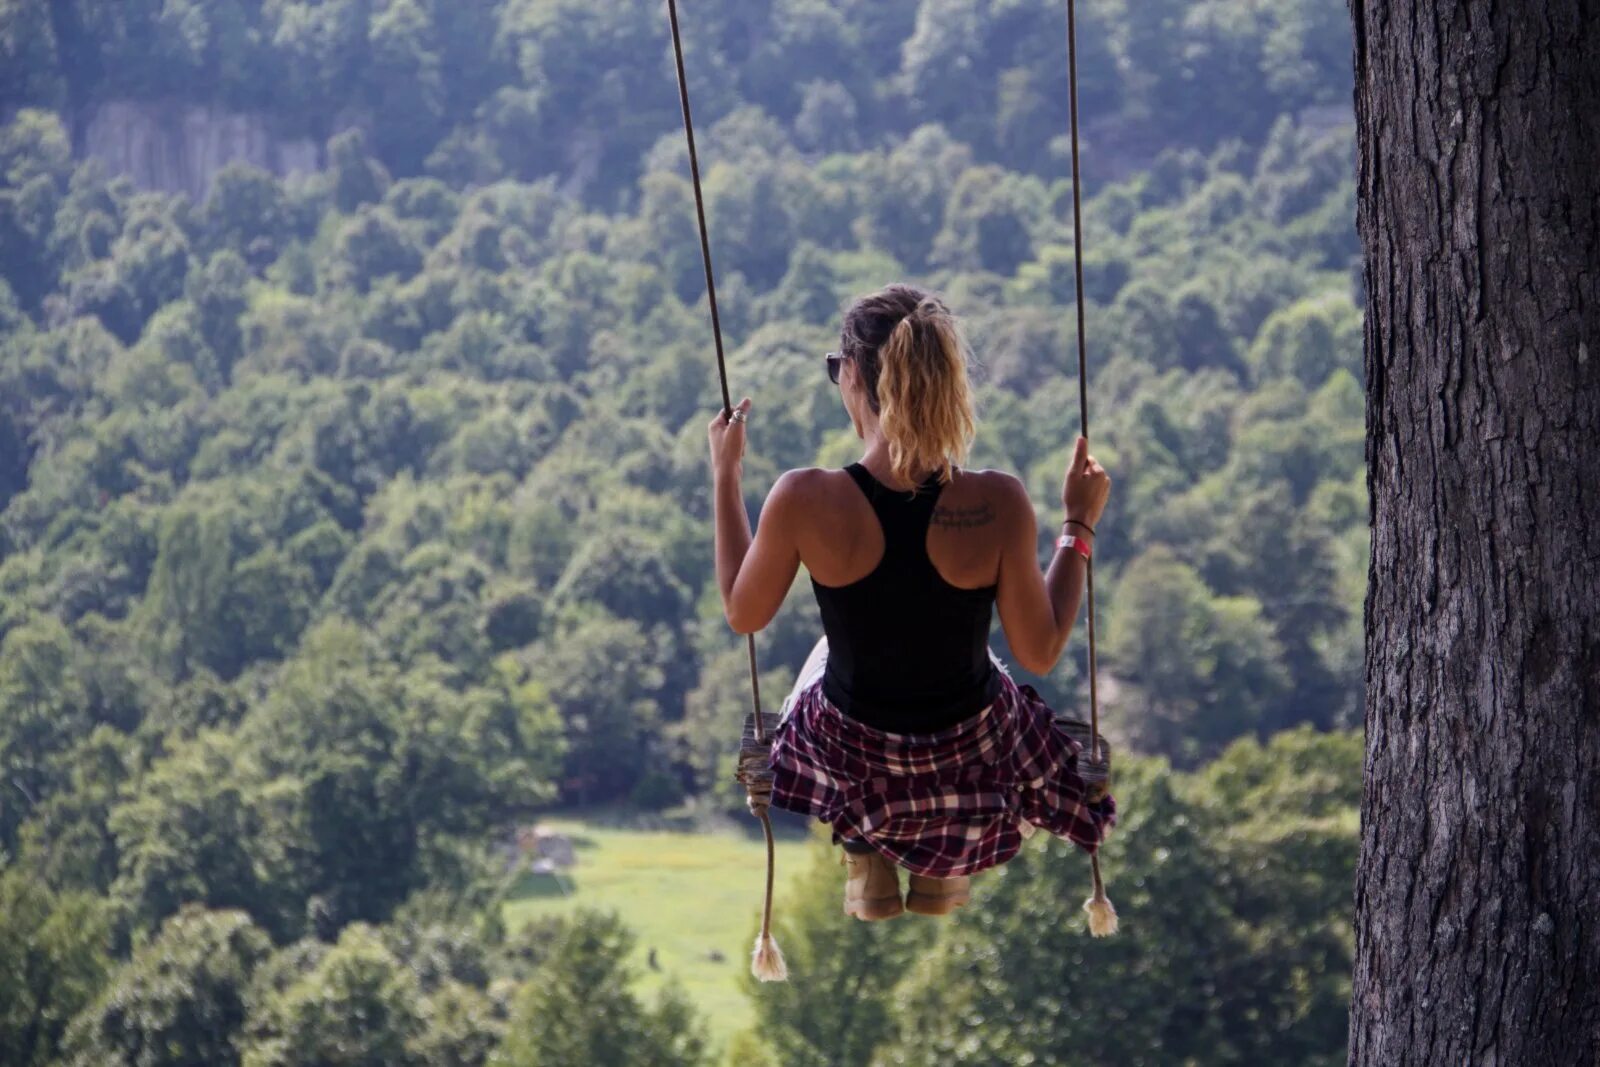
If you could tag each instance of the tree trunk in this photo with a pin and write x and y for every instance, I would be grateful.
(1478, 894)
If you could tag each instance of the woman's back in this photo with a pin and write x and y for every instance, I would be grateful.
(906, 586)
(901, 373)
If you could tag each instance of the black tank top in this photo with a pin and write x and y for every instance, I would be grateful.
(907, 651)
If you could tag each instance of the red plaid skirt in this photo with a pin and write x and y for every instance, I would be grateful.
(939, 804)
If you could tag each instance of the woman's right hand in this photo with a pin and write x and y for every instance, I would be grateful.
(1087, 486)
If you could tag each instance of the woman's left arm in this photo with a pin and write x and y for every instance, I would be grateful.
(753, 573)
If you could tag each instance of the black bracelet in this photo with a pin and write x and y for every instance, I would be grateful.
(1076, 522)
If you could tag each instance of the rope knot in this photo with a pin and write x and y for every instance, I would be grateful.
(754, 767)
(756, 776)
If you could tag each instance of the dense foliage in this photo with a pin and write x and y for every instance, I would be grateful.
(345, 520)
(489, 89)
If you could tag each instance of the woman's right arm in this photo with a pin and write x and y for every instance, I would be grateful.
(1038, 610)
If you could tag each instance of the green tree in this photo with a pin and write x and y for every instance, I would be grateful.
(180, 998)
(578, 1007)
(604, 675)
(207, 827)
(357, 1007)
(189, 588)
(149, 261)
(827, 121)
(248, 212)
(838, 1006)
(371, 246)
(35, 161)
(990, 220)
(218, 291)
(44, 711)
(1292, 807)
(625, 575)
(749, 209)
(31, 72)
(1309, 340)
(1202, 669)
(377, 767)
(68, 839)
(907, 197)
(357, 178)
(53, 959)
(406, 83)
(464, 1026)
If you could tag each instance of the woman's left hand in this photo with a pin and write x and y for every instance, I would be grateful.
(727, 438)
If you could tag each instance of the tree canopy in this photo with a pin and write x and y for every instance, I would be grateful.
(348, 519)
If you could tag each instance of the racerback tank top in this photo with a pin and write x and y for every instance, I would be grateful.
(907, 651)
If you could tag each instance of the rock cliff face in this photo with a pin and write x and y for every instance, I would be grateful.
(179, 148)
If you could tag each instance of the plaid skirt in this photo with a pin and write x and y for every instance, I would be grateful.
(940, 804)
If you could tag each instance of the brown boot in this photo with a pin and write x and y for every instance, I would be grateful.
(937, 896)
(871, 886)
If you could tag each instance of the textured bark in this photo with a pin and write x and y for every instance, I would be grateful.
(1478, 894)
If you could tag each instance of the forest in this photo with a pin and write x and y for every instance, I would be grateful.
(350, 519)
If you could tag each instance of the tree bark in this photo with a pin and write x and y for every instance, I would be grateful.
(1478, 892)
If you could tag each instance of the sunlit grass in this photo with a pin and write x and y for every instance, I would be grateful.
(686, 894)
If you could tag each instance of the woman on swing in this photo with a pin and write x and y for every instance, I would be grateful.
(904, 731)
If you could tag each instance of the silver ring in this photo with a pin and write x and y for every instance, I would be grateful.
(737, 416)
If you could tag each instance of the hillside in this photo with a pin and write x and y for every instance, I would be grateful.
(354, 514)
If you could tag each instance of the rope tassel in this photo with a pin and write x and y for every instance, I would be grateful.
(1102, 916)
(766, 959)
(766, 962)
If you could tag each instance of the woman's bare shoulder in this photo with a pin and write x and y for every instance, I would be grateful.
(810, 501)
(805, 487)
(802, 480)
(1002, 488)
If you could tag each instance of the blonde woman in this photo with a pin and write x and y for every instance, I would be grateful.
(903, 731)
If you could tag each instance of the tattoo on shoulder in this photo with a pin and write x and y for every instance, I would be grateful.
(964, 518)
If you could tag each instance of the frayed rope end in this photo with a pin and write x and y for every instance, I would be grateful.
(1102, 916)
(766, 962)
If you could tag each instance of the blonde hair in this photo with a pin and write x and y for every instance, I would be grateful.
(913, 357)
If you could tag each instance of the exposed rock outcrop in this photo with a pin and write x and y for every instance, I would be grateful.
(179, 147)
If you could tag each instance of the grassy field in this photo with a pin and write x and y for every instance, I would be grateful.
(695, 897)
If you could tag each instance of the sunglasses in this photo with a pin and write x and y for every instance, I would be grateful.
(835, 361)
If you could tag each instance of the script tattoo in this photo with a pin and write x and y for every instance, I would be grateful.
(963, 518)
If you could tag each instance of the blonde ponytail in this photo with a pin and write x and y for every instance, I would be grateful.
(924, 396)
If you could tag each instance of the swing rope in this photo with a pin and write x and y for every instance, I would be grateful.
(1102, 916)
(766, 961)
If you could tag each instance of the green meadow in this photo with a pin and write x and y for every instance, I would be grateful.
(694, 896)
